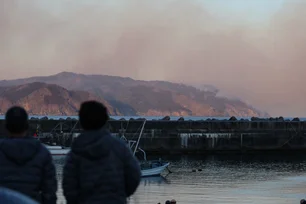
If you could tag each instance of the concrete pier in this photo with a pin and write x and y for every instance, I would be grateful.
(194, 137)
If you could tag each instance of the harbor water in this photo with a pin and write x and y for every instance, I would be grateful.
(264, 179)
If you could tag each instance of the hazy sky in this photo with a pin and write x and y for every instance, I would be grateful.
(253, 11)
(252, 49)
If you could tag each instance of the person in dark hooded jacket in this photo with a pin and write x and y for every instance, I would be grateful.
(99, 168)
(26, 166)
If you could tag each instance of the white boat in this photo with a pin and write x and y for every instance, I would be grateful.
(148, 168)
(155, 168)
(57, 150)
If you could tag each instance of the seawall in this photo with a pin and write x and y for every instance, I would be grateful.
(191, 137)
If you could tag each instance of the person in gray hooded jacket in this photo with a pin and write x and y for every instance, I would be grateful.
(99, 168)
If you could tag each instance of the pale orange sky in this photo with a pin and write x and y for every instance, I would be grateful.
(249, 51)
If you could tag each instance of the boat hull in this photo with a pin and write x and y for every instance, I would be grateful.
(57, 150)
(156, 171)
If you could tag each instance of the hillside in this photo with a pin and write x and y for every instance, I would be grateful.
(134, 97)
(45, 99)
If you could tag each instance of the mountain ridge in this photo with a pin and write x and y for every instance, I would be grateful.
(127, 96)
(45, 99)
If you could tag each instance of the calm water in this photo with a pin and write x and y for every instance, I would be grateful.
(224, 179)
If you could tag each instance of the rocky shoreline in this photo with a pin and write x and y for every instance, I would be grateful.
(168, 118)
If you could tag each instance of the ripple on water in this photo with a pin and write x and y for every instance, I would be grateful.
(223, 180)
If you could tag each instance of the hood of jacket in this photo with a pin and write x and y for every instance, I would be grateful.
(20, 150)
(92, 144)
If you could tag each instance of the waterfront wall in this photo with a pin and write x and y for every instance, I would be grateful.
(165, 136)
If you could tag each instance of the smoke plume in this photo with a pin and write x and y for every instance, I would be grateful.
(173, 40)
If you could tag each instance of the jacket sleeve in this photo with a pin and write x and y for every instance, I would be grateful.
(70, 181)
(49, 183)
(132, 172)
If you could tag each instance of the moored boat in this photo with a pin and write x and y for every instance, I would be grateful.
(148, 168)
(57, 150)
(153, 168)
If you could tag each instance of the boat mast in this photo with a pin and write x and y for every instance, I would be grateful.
(136, 147)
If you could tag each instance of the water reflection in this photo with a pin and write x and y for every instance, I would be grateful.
(264, 179)
(155, 180)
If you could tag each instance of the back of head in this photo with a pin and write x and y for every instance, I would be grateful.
(93, 115)
(14, 197)
(16, 120)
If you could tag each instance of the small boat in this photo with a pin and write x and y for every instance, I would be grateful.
(57, 150)
(153, 168)
(148, 168)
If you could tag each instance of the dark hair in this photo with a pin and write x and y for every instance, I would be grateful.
(16, 120)
(93, 115)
